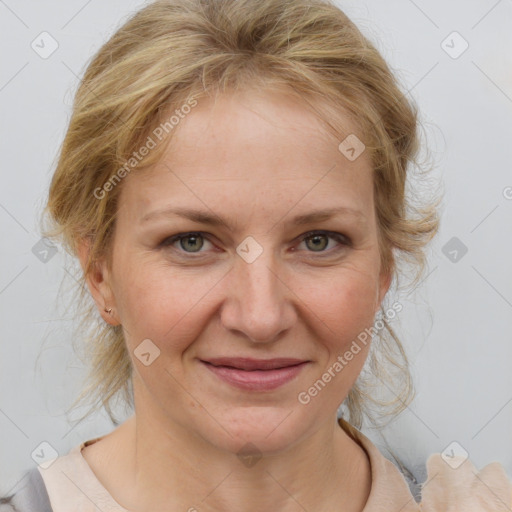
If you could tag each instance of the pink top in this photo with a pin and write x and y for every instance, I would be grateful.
(450, 487)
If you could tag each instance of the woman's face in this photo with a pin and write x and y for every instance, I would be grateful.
(275, 279)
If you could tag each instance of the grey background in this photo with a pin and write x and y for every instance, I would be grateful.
(457, 324)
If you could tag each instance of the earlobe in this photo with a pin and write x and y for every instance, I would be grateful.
(97, 277)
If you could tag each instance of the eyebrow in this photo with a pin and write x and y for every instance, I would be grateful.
(204, 217)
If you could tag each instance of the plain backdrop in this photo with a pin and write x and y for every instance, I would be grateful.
(455, 59)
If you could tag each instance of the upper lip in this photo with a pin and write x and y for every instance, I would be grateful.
(245, 363)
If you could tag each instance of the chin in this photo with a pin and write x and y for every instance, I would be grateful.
(269, 429)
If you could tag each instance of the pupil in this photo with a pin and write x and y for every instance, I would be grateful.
(318, 242)
(194, 245)
(317, 238)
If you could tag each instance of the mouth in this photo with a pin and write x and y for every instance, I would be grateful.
(247, 364)
(255, 374)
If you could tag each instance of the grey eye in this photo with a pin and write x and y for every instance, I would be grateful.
(318, 242)
(194, 242)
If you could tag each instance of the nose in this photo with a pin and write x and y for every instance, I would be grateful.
(259, 302)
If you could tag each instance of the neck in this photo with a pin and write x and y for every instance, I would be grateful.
(161, 466)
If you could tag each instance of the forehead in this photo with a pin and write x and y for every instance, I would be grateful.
(275, 127)
(252, 150)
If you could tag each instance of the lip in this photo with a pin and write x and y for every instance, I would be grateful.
(255, 374)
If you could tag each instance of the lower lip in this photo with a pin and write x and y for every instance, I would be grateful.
(256, 380)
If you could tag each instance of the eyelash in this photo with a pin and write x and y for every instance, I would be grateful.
(338, 237)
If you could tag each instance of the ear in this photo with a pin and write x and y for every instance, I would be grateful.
(98, 281)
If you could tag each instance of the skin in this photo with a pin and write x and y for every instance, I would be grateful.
(256, 159)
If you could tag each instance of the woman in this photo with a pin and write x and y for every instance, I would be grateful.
(233, 184)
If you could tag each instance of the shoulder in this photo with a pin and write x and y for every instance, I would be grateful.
(455, 480)
(30, 495)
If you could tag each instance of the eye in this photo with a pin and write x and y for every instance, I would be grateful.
(315, 241)
(318, 241)
(188, 242)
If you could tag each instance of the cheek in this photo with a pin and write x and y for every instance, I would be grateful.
(157, 303)
(344, 306)
(343, 313)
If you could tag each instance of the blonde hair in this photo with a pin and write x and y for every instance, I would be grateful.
(173, 52)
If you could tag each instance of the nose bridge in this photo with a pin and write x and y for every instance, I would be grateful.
(262, 307)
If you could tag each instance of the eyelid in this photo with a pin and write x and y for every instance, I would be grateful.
(342, 239)
(170, 240)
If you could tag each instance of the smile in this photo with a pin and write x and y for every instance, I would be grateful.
(255, 375)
